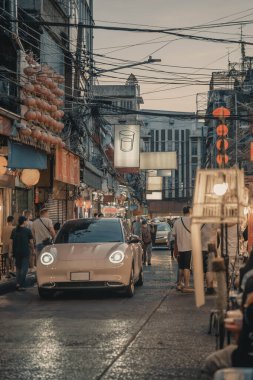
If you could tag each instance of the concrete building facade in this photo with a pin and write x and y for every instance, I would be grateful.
(186, 137)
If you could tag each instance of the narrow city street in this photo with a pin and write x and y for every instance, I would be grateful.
(157, 334)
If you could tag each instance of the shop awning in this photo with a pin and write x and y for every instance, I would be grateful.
(92, 179)
(22, 156)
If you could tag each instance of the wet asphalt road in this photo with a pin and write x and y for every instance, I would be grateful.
(158, 334)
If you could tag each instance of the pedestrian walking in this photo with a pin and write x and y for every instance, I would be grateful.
(171, 243)
(57, 227)
(146, 242)
(230, 245)
(208, 236)
(29, 217)
(136, 227)
(43, 230)
(153, 230)
(21, 243)
(6, 234)
(183, 248)
(29, 224)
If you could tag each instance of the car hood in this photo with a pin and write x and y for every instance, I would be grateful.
(85, 251)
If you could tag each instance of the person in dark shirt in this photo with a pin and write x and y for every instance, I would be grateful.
(241, 354)
(246, 268)
(21, 243)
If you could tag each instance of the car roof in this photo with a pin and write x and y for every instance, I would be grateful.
(73, 221)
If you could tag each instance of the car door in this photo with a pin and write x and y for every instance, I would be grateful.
(136, 250)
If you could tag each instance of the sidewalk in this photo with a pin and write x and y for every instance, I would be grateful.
(8, 284)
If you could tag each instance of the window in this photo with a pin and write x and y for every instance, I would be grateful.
(90, 231)
(126, 104)
(163, 140)
(157, 141)
(194, 147)
(163, 227)
(152, 140)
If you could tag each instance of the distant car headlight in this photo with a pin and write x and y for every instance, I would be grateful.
(47, 258)
(117, 257)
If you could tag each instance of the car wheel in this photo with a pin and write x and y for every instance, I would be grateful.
(129, 291)
(46, 293)
(140, 280)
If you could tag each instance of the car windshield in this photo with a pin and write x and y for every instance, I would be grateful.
(90, 231)
(163, 227)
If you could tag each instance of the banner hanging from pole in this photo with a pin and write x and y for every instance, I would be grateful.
(127, 146)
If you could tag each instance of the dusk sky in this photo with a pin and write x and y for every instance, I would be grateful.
(183, 60)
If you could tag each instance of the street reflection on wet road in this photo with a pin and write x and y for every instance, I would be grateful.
(98, 335)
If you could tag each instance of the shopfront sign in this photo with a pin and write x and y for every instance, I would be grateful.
(154, 183)
(156, 195)
(158, 160)
(127, 147)
(67, 167)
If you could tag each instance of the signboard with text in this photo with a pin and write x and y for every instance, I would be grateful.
(67, 167)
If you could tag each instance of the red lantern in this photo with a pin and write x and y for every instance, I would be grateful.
(29, 70)
(222, 159)
(53, 108)
(41, 77)
(36, 134)
(30, 101)
(30, 115)
(42, 136)
(222, 130)
(60, 126)
(221, 112)
(39, 116)
(220, 142)
(26, 131)
(28, 87)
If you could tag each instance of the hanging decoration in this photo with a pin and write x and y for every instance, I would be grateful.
(3, 165)
(42, 97)
(222, 158)
(30, 177)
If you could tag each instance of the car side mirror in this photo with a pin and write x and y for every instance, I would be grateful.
(134, 239)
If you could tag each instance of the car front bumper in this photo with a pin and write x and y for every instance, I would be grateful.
(58, 276)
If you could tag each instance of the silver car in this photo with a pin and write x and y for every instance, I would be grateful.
(162, 232)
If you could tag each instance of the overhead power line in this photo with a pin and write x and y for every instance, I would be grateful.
(142, 30)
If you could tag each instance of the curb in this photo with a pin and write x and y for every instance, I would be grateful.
(10, 285)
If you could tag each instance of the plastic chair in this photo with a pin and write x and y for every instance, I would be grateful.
(234, 374)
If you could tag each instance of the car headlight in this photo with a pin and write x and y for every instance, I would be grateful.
(47, 258)
(117, 257)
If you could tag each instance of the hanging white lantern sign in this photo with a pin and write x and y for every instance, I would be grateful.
(30, 177)
(127, 146)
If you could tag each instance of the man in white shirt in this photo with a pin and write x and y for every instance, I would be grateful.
(43, 230)
(182, 233)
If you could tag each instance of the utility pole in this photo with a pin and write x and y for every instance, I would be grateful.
(79, 44)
